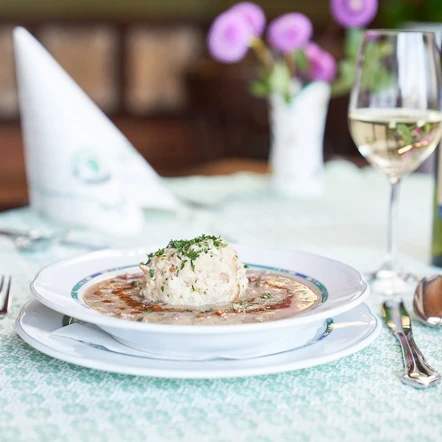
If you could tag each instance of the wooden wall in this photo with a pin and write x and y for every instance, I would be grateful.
(145, 64)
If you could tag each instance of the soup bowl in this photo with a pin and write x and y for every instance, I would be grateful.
(61, 286)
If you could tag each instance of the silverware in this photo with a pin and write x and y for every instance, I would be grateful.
(5, 288)
(418, 373)
(427, 302)
(34, 239)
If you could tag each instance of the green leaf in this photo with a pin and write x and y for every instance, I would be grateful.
(384, 49)
(405, 133)
(302, 63)
(375, 76)
(259, 89)
(427, 128)
(403, 130)
(288, 97)
(280, 78)
(346, 78)
(347, 67)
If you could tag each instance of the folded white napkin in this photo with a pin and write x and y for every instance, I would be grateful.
(80, 167)
(93, 336)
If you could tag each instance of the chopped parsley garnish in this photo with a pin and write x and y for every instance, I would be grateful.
(256, 283)
(149, 310)
(189, 250)
(162, 288)
(241, 306)
(151, 272)
(192, 255)
(246, 266)
(266, 296)
(176, 244)
(210, 310)
(193, 288)
(159, 252)
(133, 283)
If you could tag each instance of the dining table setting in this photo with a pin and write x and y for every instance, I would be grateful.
(220, 308)
(358, 397)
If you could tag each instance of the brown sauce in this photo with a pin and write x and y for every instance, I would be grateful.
(270, 296)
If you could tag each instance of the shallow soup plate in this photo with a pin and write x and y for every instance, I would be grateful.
(61, 287)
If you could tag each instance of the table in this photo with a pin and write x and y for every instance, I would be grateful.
(358, 398)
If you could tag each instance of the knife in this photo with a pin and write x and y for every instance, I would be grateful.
(418, 372)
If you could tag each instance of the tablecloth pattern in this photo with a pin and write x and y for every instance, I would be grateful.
(358, 398)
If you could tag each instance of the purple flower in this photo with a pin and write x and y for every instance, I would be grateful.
(322, 64)
(253, 14)
(289, 32)
(229, 36)
(354, 13)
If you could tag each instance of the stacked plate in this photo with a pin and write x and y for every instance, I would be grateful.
(339, 324)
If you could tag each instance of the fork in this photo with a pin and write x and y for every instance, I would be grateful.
(5, 287)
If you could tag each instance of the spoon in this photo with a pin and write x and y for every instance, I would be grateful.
(428, 300)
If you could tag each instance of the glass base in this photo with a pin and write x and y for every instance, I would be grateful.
(390, 282)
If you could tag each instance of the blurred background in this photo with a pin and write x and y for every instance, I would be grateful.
(145, 63)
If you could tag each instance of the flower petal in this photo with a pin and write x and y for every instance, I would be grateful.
(289, 32)
(229, 36)
(322, 63)
(254, 15)
(354, 13)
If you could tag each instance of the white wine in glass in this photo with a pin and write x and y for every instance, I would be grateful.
(395, 120)
(395, 140)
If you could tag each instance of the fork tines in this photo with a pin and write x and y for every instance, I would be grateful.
(5, 287)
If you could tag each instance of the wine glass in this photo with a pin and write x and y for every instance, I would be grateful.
(395, 120)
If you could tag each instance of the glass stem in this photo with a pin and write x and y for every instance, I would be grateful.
(391, 259)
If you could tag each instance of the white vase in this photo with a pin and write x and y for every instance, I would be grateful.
(297, 129)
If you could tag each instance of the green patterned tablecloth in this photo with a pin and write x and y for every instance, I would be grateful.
(358, 398)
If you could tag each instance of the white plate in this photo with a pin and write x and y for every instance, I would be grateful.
(60, 287)
(350, 332)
